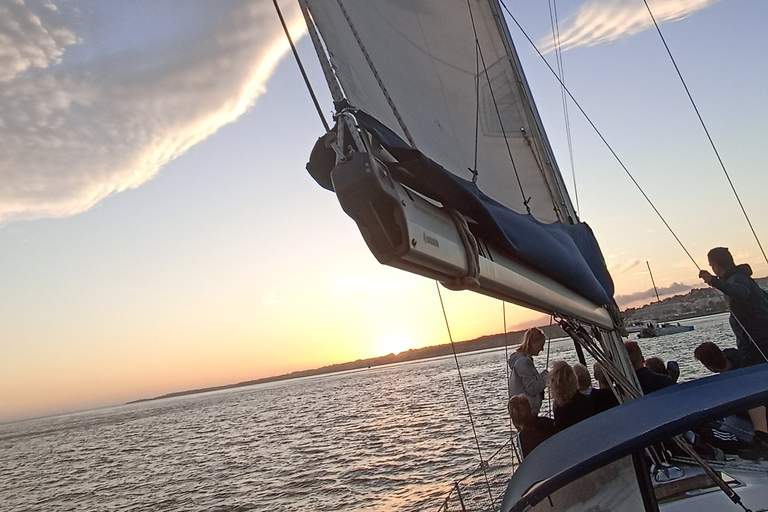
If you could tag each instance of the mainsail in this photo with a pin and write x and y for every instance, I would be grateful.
(437, 87)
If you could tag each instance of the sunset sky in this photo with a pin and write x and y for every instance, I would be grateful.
(158, 231)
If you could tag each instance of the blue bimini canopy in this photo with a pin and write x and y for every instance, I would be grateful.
(625, 429)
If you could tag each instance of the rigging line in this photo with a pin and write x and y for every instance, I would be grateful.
(376, 75)
(706, 131)
(477, 107)
(506, 368)
(554, 21)
(466, 397)
(546, 367)
(496, 107)
(301, 68)
(602, 138)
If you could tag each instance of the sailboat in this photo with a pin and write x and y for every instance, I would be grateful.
(440, 157)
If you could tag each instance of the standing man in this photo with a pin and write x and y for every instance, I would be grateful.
(746, 301)
(749, 320)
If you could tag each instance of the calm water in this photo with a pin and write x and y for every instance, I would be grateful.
(391, 438)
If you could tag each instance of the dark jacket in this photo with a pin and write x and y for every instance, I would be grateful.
(749, 312)
(602, 399)
(652, 381)
(579, 408)
(535, 432)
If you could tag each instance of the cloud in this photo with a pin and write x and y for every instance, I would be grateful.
(620, 268)
(602, 21)
(650, 294)
(30, 40)
(92, 104)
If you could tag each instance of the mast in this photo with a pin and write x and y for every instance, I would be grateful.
(652, 281)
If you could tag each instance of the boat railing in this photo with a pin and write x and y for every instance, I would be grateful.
(483, 488)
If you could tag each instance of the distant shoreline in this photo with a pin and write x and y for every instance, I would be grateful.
(482, 343)
(698, 302)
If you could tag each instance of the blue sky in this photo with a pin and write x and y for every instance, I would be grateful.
(158, 231)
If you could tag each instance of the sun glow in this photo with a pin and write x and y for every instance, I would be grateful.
(394, 343)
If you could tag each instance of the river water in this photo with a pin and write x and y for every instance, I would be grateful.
(385, 438)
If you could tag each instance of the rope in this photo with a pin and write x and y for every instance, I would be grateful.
(706, 131)
(496, 108)
(506, 367)
(325, 65)
(466, 397)
(470, 281)
(376, 76)
(728, 307)
(301, 68)
(553, 20)
(603, 139)
(546, 366)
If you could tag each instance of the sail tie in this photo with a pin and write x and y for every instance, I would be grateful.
(471, 281)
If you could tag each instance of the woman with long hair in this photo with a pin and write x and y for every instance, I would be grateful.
(570, 406)
(523, 377)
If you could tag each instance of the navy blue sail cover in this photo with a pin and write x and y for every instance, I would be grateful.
(568, 253)
(623, 430)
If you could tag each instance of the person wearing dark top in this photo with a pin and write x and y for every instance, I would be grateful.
(532, 429)
(649, 381)
(716, 360)
(748, 304)
(602, 398)
(656, 364)
(746, 301)
(570, 406)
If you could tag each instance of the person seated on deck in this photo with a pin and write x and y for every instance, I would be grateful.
(649, 381)
(673, 370)
(532, 430)
(602, 398)
(656, 365)
(720, 361)
(570, 406)
(716, 360)
(583, 378)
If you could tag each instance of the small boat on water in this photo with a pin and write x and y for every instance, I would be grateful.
(655, 330)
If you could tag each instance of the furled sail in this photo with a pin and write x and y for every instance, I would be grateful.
(437, 85)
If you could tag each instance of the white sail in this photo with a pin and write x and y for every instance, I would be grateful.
(429, 57)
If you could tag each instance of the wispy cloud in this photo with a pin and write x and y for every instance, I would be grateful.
(625, 266)
(601, 21)
(82, 117)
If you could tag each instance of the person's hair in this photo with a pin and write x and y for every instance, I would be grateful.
(582, 376)
(656, 365)
(562, 383)
(520, 410)
(531, 335)
(635, 354)
(722, 257)
(711, 356)
(600, 376)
